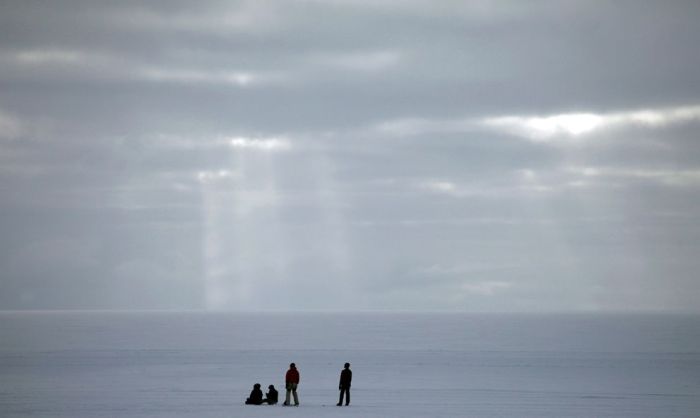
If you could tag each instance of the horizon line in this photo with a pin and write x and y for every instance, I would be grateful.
(363, 311)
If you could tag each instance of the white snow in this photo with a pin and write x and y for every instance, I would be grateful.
(91, 364)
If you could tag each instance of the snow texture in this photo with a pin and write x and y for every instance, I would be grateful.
(88, 364)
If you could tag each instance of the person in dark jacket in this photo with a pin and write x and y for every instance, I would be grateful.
(256, 396)
(272, 396)
(291, 380)
(344, 385)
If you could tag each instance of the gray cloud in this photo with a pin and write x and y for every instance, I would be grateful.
(481, 156)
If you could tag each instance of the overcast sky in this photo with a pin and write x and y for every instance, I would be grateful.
(350, 155)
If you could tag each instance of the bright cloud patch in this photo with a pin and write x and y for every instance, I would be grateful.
(241, 79)
(667, 177)
(546, 128)
(210, 176)
(99, 64)
(442, 187)
(542, 128)
(260, 144)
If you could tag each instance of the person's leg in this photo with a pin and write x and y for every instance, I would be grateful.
(340, 400)
(294, 392)
(286, 398)
(347, 396)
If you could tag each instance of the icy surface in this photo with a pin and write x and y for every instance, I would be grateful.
(404, 365)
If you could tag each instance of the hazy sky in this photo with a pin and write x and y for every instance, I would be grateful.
(371, 154)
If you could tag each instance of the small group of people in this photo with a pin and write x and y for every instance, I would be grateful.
(291, 381)
(256, 396)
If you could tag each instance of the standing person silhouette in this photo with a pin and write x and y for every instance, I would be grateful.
(291, 380)
(344, 385)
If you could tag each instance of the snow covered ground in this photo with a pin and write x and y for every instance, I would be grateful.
(404, 365)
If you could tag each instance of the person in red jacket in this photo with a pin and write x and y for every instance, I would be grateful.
(291, 380)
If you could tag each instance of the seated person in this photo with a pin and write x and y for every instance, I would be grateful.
(256, 396)
(272, 395)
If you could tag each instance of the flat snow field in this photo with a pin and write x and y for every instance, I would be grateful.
(91, 364)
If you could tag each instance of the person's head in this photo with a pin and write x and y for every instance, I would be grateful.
(271, 387)
(347, 365)
(292, 366)
(256, 386)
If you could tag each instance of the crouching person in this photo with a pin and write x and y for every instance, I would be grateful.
(272, 396)
(256, 396)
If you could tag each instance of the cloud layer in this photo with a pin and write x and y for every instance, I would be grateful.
(350, 155)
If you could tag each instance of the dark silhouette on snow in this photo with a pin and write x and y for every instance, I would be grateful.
(291, 380)
(272, 395)
(344, 385)
(256, 396)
